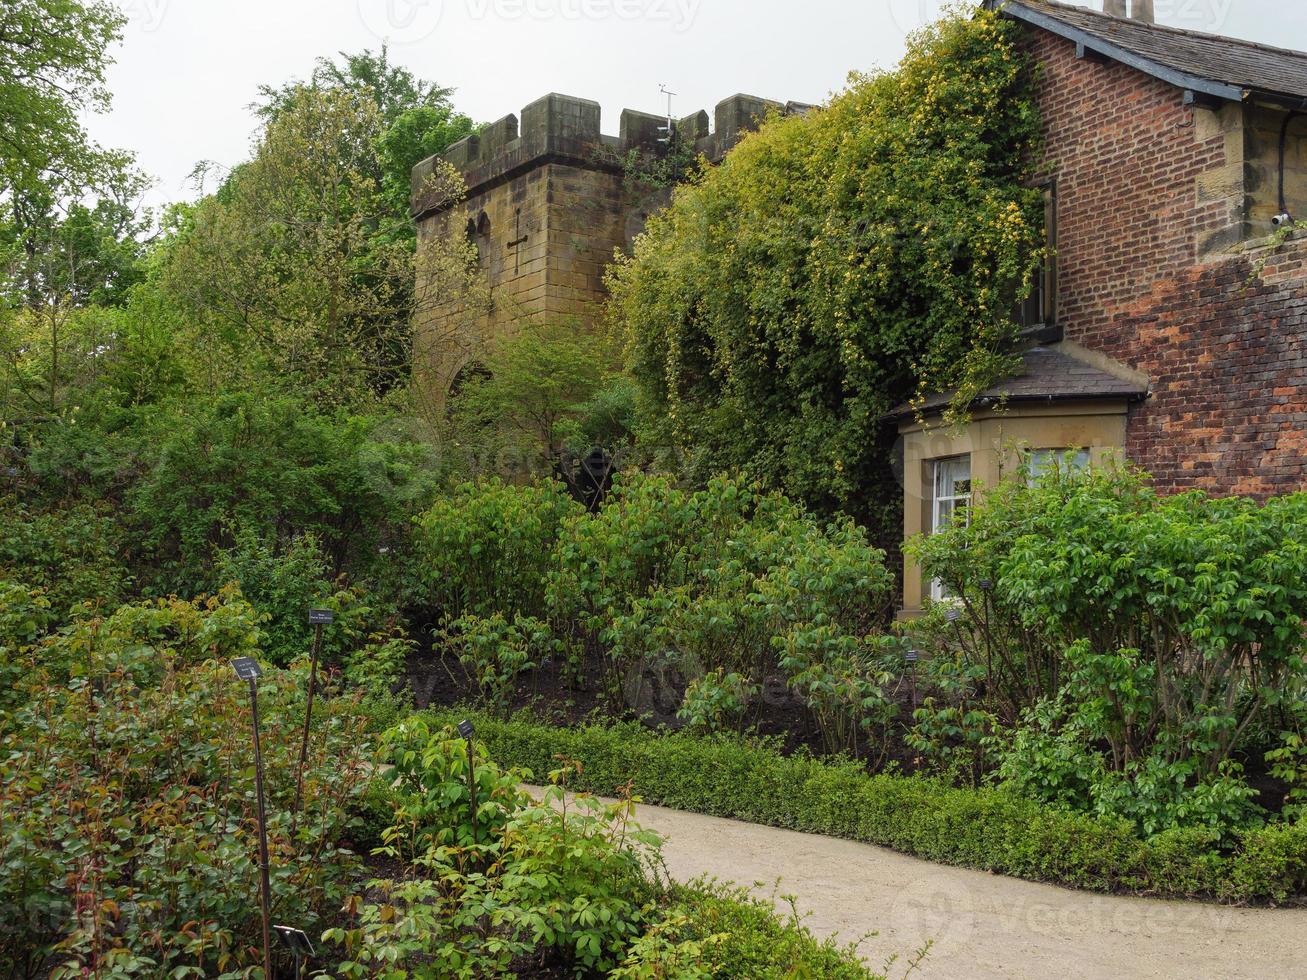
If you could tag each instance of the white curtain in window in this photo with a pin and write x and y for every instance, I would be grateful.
(950, 500)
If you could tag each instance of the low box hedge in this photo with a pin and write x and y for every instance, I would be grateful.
(985, 829)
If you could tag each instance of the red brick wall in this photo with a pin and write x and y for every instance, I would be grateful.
(1145, 279)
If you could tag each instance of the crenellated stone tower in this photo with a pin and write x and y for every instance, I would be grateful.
(548, 202)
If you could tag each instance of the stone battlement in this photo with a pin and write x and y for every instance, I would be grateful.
(562, 128)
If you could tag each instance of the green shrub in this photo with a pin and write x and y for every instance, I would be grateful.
(725, 580)
(717, 701)
(728, 579)
(743, 936)
(274, 467)
(432, 784)
(127, 793)
(367, 643)
(1129, 645)
(987, 829)
(74, 554)
(377, 665)
(497, 651)
(282, 583)
(563, 882)
(563, 879)
(487, 548)
(141, 641)
(25, 615)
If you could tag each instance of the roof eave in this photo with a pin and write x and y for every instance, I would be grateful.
(1180, 79)
(990, 401)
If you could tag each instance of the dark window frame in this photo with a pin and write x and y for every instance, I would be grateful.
(1037, 314)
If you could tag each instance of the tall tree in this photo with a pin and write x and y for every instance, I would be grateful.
(53, 56)
(418, 116)
(297, 264)
(370, 75)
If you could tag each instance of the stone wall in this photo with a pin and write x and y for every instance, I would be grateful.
(548, 203)
(1156, 202)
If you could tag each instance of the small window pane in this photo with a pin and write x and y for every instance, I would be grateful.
(950, 502)
(1040, 462)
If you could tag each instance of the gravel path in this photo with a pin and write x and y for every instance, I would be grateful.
(983, 925)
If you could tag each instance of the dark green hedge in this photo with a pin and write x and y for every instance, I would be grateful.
(985, 829)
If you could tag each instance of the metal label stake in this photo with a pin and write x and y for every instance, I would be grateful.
(248, 669)
(467, 731)
(317, 619)
(298, 943)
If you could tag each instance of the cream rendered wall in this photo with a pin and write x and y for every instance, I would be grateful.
(994, 441)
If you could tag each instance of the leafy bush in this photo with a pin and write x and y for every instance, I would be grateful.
(562, 877)
(276, 468)
(283, 585)
(497, 651)
(988, 829)
(728, 932)
(682, 583)
(73, 554)
(487, 548)
(1130, 644)
(522, 409)
(726, 579)
(563, 882)
(25, 615)
(432, 781)
(717, 701)
(130, 834)
(140, 640)
(953, 728)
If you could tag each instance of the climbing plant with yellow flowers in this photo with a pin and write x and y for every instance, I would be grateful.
(837, 264)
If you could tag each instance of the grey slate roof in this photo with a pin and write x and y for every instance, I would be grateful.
(1047, 376)
(1217, 66)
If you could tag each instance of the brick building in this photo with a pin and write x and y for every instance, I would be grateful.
(1171, 326)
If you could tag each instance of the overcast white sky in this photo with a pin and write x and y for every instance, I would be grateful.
(188, 69)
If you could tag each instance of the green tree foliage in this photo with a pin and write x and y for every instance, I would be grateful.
(1133, 649)
(544, 389)
(77, 252)
(417, 133)
(289, 267)
(274, 468)
(300, 269)
(66, 267)
(53, 56)
(837, 264)
(419, 118)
